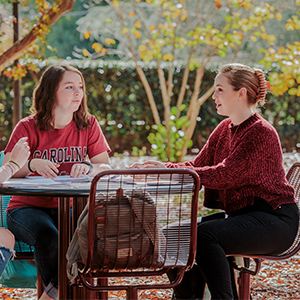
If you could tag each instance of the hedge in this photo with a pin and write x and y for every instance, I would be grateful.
(118, 100)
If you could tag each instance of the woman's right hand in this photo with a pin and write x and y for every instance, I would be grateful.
(44, 167)
(20, 152)
(150, 164)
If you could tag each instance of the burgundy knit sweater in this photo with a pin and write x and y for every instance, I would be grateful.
(239, 163)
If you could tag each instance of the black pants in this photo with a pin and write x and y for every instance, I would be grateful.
(253, 230)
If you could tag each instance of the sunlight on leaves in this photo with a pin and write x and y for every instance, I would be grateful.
(110, 41)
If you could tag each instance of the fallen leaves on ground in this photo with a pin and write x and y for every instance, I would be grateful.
(276, 280)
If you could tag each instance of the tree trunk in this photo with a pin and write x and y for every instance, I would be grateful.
(191, 128)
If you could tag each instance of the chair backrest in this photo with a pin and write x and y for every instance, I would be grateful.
(140, 223)
(293, 177)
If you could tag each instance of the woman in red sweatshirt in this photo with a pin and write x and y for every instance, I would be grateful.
(241, 169)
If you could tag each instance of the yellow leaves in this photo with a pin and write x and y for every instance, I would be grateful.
(293, 23)
(142, 48)
(287, 79)
(264, 36)
(182, 18)
(116, 3)
(152, 27)
(278, 16)
(16, 72)
(146, 55)
(253, 38)
(294, 91)
(168, 56)
(55, 9)
(159, 43)
(246, 4)
(281, 50)
(109, 41)
(289, 26)
(45, 5)
(87, 34)
(290, 82)
(137, 34)
(85, 52)
(125, 30)
(137, 24)
(241, 35)
(271, 38)
(97, 47)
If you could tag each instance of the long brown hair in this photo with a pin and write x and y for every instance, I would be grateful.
(44, 99)
(242, 76)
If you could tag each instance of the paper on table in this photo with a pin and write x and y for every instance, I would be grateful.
(28, 181)
(73, 179)
(40, 180)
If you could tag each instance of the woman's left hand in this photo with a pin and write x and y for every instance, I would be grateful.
(79, 170)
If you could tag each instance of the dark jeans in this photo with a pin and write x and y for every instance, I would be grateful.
(253, 230)
(38, 227)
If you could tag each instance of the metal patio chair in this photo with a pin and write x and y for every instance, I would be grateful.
(130, 231)
(293, 177)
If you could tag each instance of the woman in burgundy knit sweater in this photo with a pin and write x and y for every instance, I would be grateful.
(241, 169)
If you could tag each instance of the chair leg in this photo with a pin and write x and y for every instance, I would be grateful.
(244, 286)
(132, 293)
(39, 285)
(103, 295)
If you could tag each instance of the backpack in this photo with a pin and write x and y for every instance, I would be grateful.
(127, 234)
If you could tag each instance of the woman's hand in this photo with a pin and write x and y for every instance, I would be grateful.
(20, 152)
(79, 170)
(150, 164)
(44, 167)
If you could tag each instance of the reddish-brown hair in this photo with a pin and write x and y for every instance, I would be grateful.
(242, 76)
(44, 99)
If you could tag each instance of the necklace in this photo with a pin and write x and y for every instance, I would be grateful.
(231, 139)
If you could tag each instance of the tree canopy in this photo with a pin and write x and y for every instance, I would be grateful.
(196, 33)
